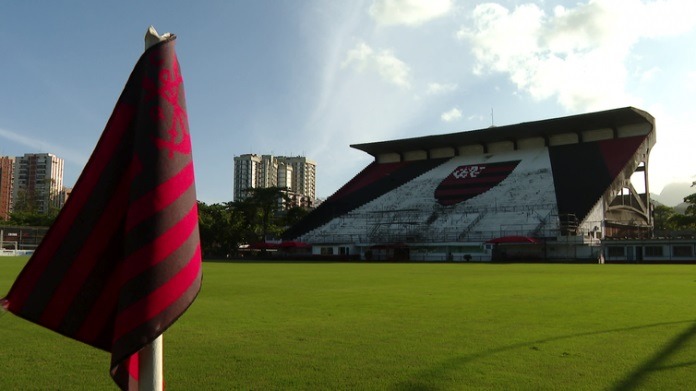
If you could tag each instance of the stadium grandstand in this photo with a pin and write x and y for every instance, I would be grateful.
(544, 190)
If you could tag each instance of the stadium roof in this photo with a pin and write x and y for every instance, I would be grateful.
(612, 119)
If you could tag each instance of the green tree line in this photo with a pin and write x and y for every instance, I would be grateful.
(225, 226)
(668, 219)
(26, 212)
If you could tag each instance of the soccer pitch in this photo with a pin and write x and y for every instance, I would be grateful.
(361, 326)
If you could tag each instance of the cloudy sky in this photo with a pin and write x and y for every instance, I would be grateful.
(304, 77)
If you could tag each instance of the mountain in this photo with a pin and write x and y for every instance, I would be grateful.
(673, 194)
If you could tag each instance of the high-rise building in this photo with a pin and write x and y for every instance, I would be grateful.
(304, 175)
(246, 168)
(6, 182)
(268, 172)
(296, 174)
(284, 175)
(38, 182)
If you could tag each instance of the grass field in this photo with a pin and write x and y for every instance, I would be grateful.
(350, 326)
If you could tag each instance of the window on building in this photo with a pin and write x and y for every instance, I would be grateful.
(653, 251)
(683, 251)
(327, 251)
(616, 251)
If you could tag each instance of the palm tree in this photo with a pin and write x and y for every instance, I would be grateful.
(268, 201)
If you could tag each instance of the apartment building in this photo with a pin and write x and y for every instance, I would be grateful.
(6, 182)
(297, 174)
(38, 182)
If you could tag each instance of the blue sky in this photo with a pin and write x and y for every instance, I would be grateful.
(291, 77)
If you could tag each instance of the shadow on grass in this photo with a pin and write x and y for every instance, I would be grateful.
(653, 364)
(425, 380)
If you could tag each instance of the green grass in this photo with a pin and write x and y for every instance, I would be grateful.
(331, 326)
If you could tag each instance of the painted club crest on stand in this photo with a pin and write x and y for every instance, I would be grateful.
(468, 181)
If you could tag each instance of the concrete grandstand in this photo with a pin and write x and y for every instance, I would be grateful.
(550, 189)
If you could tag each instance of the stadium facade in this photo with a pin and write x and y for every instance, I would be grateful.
(550, 189)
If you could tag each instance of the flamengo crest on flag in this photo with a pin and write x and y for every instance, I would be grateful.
(122, 262)
(468, 181)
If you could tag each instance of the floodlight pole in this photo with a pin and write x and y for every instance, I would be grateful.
(150, 366)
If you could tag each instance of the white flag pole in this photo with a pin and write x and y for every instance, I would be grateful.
(151, 366)
(150, 359)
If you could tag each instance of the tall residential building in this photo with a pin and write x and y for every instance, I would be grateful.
(38, 182)
(285, 175)
(6, 182)
(246, 168)
(268, 172)
(297, 174)
(304, 176)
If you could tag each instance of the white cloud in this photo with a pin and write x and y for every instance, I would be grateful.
(576, 55)
(671, 160)
(451, 115)
(667, 17)
(437, 88)
(408, 12)
(20, 139)
(39, 145)
(360, 56)
(691, 80)
(389, 67)
(648, 75)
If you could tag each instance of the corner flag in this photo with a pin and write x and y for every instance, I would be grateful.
(122, 262)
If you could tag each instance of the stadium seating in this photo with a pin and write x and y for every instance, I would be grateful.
(396, 203)
(374, 181)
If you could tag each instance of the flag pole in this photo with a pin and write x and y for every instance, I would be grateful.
(150, 366)
(150, 357)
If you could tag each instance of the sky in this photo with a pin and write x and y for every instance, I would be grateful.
(311, 77)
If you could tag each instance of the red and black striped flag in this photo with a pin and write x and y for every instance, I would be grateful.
(122, 261)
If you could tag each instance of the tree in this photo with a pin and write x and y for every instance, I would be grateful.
(682, 222)
(294, 215)
(661, 218)
(220, 228)
(249, 217)
(686, 221)
(267, 202)
(223, 227)
(208, 226)
(25, 211)
(32, 219)
(25, 202)
(691, 209)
